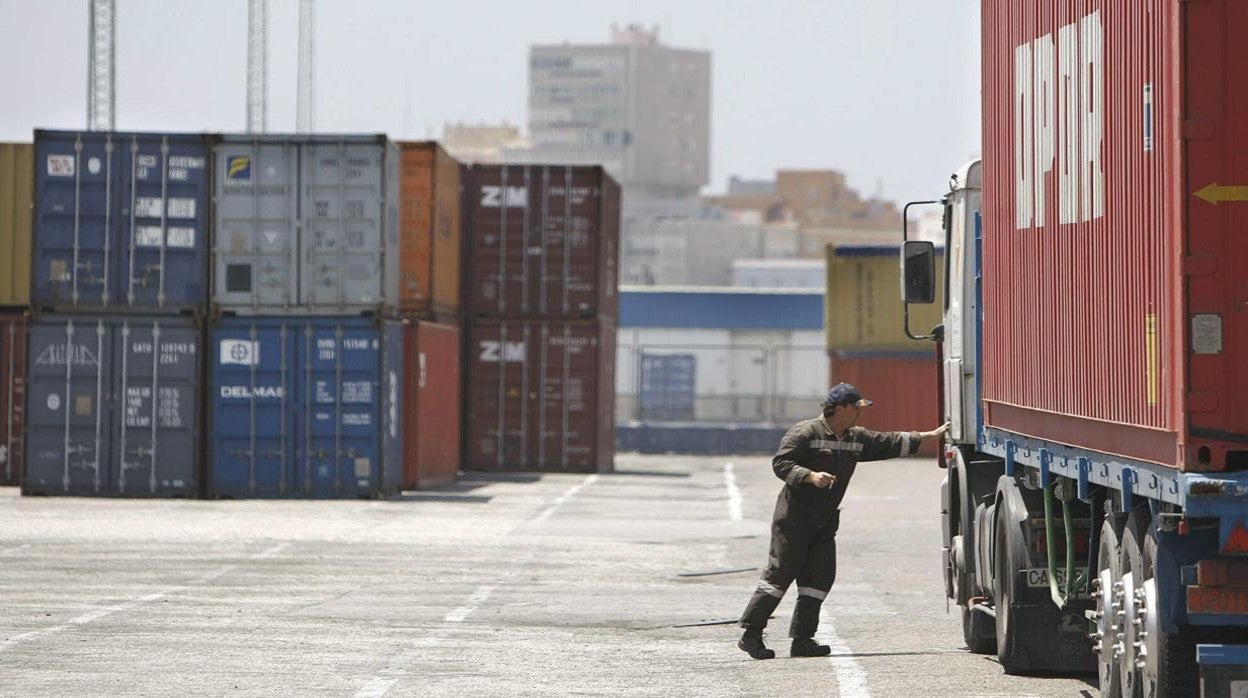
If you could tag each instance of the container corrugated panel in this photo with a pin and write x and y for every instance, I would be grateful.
(16, 198)
(305, 224)
(113, 406)
(430, 231)
(543, 241)
(12, 396)
(1113, 227)
(903, 384)
(305, 407)
(432, 404)
(120, 222)
(863, 309)
(540, 395)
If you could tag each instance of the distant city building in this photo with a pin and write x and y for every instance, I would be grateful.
(700, 252)
(640, 108)
(780, 273)
(483, 143)
(809, 198)
(751, 187)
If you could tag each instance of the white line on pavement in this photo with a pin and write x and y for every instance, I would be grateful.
(850, 676)
(478, 597)
(564, 497)
(734, 492)
(398, 665)
(92, 616)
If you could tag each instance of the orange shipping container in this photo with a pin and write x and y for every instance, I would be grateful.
(431, 404)
(903, 385)
(430, 223)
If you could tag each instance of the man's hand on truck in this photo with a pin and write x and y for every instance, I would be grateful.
(935, 434)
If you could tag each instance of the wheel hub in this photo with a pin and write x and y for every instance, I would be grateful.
(1105, 634)
(1148, 638)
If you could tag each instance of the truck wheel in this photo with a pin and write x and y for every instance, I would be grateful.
(1006, 563)
(1132, 561)
(1107, 560)
(1176, 671)
(978, 631)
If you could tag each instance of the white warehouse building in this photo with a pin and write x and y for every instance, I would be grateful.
(720, 356)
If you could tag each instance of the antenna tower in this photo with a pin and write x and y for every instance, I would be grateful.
(102, 66)
(257, 65)
(307, 57)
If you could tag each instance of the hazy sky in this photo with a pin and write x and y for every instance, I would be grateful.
(885, 90)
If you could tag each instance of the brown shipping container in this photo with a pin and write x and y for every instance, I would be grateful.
(431, 404)
(12, 396)
(1114, 246)
(17, 181)
(543, 241)
(862, 309)
(541, 395)
(430, 225)
(903, 384)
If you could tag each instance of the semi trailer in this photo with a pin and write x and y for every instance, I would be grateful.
(1094, 346)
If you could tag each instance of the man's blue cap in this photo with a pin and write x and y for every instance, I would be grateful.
(846, 394)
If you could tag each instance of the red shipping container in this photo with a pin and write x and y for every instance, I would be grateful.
(431, 404)
(12, 396)
(541, 395)
(543, 241)
(1115, 206)
(903, 385)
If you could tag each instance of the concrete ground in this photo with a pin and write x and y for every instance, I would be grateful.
(621, 584)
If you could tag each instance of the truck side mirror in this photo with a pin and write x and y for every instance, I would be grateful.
(918, 272)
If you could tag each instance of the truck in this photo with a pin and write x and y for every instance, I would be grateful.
(1094, 346)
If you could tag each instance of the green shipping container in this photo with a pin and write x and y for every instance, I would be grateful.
(862, 309)
(17, 176)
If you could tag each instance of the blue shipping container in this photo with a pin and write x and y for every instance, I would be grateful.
(113, 406)
(120, 222)
(668, 386)
(306, 407)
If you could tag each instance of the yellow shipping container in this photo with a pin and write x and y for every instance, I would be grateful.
(862, 309)
(17, 176)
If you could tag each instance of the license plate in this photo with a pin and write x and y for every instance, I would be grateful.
(1217, 600)
(1038, 577)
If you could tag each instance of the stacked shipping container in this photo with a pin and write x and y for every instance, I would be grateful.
(119, 289)
(303, 293)
(431, 243)
(16, 187)
(305, 266)
(867, 345)
(541, 305)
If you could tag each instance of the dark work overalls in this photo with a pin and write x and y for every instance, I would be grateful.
(803, 529)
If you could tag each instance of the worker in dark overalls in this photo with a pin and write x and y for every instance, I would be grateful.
(816, 461)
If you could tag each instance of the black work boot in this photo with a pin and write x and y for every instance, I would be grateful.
(807, 647)
(752, 643)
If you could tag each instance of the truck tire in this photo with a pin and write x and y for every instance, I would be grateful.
(1108, 557)
(1177, 671)
(978, 631)
(1006, 561)
(1033, 634)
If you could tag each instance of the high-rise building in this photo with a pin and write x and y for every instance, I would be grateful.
(640, 108)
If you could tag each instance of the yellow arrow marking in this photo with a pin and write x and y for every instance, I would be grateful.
(1216, 194)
